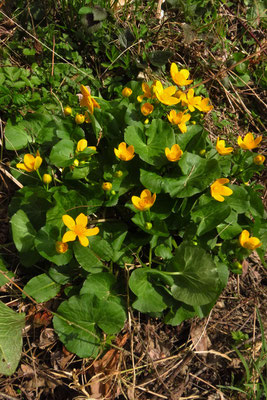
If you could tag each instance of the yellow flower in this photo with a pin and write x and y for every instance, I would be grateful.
(180, 77)
(67, 111)
(47, 179)
(247, 242)
(190, 100)
(249, 143)
(81, 145)
(259, 159)
(220, 147)
(30, 163)
(179, 118)
(165, 96)
(78, 228)
(124, 153)
(147, 109)
(61, 247)
(148, 93)
(86, 100)
(79, 119)
(126, 92)
(204, 105)
(107, 186)
(218, 190)
(145, 201)
(174, 154)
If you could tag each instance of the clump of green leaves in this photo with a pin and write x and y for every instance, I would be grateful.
(168, 231)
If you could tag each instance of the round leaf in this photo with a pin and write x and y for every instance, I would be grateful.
(196, 279)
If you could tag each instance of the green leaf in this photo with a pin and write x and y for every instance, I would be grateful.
(66, 201)
(150, 145)
(255, 203)
(62, 154)
(85, 10)
(195, 279)
(229, 229)
(45, 243)
(152, 181)
(158, 58)
(179, 312)
(101, 247)
(11, 325)
(198, 175)
(147, 284)
(99, 13)
(87, 259)
(158, 227)
(9, 274)
(238, 201)
(34, 201)
(42, 288)
(22, 231)
(81, 316)
(163, 251)
(77, 173)
(99, 284)
(16, 136)
(110, 316)
(210, 215)
(75, 325)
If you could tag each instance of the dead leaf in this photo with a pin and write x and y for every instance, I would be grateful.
(105, 388)
(199, 336)
(47, 337)
(27, 370)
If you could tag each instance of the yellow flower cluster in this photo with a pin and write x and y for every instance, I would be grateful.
(170, 96)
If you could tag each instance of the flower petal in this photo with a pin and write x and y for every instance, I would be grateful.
(222, 181)
(91, 231)
(243, 237)
(145, 193)
(23, 166)
(83, 240)
(225, 191)
(136, 202)
(29, 161)
(217, 196)
(37, 162)
(81, 220)
(69, 236)
(85, 90)
(68, 221)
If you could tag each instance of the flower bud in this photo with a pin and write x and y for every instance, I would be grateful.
(76, 163)
(79, 119)
(259, 159)
(106, 186)
(61, 247)
(126, 92)
(47, 179)
(67, 111)
(193, 122)
(237, 265)
(148, 226)
(146, 121)
(147, 109)
(113, 192)
(202, 152)
(118, 174)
